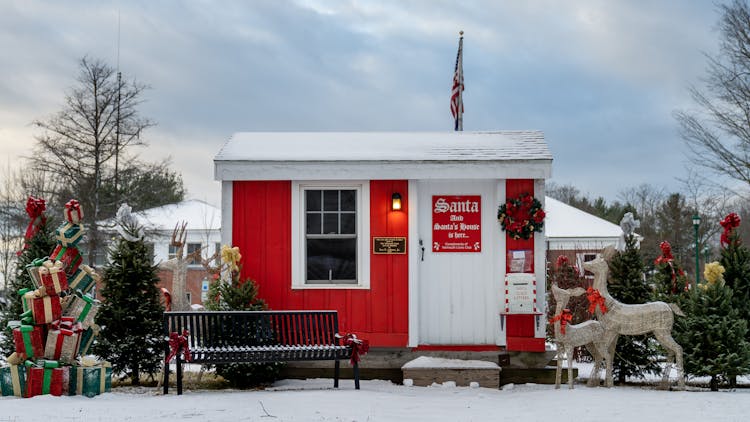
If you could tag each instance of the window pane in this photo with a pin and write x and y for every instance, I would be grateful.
(330, 200)
(347, 223)
(348, 200)
(312, 199)
(331, 260)
(330, 223)
(194, 247)
(313, 223)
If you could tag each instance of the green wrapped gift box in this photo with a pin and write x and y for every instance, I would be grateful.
(69, 234)
(13, 380)
(90, 381)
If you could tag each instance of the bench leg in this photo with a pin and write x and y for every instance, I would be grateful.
(356, 375)
(166, 378)
(336, 370)
(179, 375)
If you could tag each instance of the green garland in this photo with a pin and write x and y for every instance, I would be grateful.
(521, 216)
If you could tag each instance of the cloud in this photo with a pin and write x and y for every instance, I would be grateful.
(598, 77)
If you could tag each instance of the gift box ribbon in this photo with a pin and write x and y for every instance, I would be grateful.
(26, 331)
(15, 379)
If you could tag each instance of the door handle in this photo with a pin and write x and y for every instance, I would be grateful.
(421, 246)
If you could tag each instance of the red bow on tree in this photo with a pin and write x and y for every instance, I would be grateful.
(595, 299)
(35, 209)
(359, 347)
(562, 260)
(178, 343)
(729, 223)
(564, 317)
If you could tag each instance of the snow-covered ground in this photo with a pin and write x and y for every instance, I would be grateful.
(316, 400)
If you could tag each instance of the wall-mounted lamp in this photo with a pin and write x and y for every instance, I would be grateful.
(396, 201)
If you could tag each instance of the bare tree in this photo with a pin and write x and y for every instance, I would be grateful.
(80, 143)
(718, 131)
(16, 187)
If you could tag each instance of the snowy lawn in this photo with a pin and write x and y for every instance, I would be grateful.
(316, 400)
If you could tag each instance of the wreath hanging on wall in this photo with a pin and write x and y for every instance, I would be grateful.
(521, 216)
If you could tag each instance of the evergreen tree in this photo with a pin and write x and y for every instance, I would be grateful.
(735, 258)
(635, 355)
(39, 245)
(712, 334)
(669, 280)
(131, 315)
(240, 295)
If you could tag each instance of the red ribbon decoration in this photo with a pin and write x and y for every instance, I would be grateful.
(178, 343)
(565, 317)
(359, 347)
(595, 299)
(729, 223)
(35, 209)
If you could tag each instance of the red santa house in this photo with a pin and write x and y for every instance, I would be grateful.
(398, 232)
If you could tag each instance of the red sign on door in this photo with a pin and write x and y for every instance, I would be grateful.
(456, 223)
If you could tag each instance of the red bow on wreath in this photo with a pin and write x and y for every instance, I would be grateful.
(565, 317)
(595, 299)
(178, 343)
(359, 347)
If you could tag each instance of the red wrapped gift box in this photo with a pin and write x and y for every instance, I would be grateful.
(53, 277)
(45, 309)
(29, 341)
(46, 377)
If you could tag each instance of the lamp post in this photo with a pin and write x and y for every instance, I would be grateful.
(696, 223)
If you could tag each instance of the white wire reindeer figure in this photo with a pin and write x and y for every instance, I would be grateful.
(569, 336)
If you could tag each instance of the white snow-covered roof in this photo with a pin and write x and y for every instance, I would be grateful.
(373, 155)
(198, 214)
(571, 228)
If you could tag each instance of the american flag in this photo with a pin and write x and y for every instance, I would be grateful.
(457, 103)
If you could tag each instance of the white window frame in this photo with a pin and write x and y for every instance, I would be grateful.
(362, 188)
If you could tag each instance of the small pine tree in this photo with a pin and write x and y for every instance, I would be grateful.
(735, 258)
(669, 281)
(713, 334)
(240, 295)
(635, 356)
(131, 315)
(39, 246)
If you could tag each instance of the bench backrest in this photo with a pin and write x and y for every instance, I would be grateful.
(254, 328)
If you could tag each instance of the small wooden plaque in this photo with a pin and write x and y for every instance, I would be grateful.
(389, 245)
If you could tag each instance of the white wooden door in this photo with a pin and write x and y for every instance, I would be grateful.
(459, 292)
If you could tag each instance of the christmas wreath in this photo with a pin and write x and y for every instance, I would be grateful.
(521, 216)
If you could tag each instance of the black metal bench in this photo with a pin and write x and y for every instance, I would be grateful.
(217, 337)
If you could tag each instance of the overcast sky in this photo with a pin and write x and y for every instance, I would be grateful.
(601, 79)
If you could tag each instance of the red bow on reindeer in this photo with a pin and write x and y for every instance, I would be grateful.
(565, 317)
(178, 343)
(359, 347)
(595, 299)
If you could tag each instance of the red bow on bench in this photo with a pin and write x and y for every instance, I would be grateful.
(178, 343)
(359, 347)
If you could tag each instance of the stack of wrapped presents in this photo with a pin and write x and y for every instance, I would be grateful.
(56, 329)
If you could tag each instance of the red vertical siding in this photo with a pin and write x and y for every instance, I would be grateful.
(520, 328)
(261, 227)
